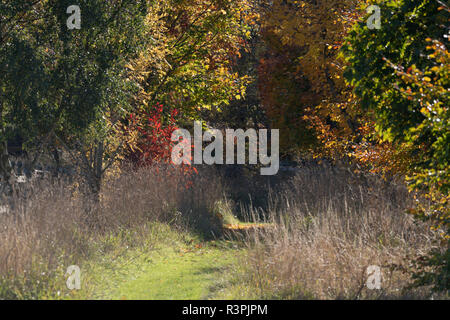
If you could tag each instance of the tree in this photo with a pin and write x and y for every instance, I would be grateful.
(62, 83)
(300, 75)
(400, 73)
(190, 65)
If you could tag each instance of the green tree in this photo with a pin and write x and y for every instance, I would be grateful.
(401, 74)
(61, 83)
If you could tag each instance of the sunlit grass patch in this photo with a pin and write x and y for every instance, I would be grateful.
(179, 265)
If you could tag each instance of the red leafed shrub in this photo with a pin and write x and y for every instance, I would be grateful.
(150, 133)
(153, 130)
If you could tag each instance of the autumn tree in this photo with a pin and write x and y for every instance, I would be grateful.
(401, 75)
(190, 65)
(300, 71)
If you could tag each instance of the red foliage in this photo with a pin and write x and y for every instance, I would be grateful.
(154, 128)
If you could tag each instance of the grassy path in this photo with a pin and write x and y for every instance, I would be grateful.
(176, 275)
(171, 265)
(173, 270)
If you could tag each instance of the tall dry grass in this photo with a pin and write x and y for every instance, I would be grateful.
(329, 225)
(46, 227)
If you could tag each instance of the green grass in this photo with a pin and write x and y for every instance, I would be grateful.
(178, 266)
(176, 276)
(154, 261)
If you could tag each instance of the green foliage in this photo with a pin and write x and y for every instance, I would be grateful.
(401, 40)
(401, 74)
(60, 81)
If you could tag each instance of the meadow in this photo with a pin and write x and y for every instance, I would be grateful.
(135, 160)
(308, 235)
